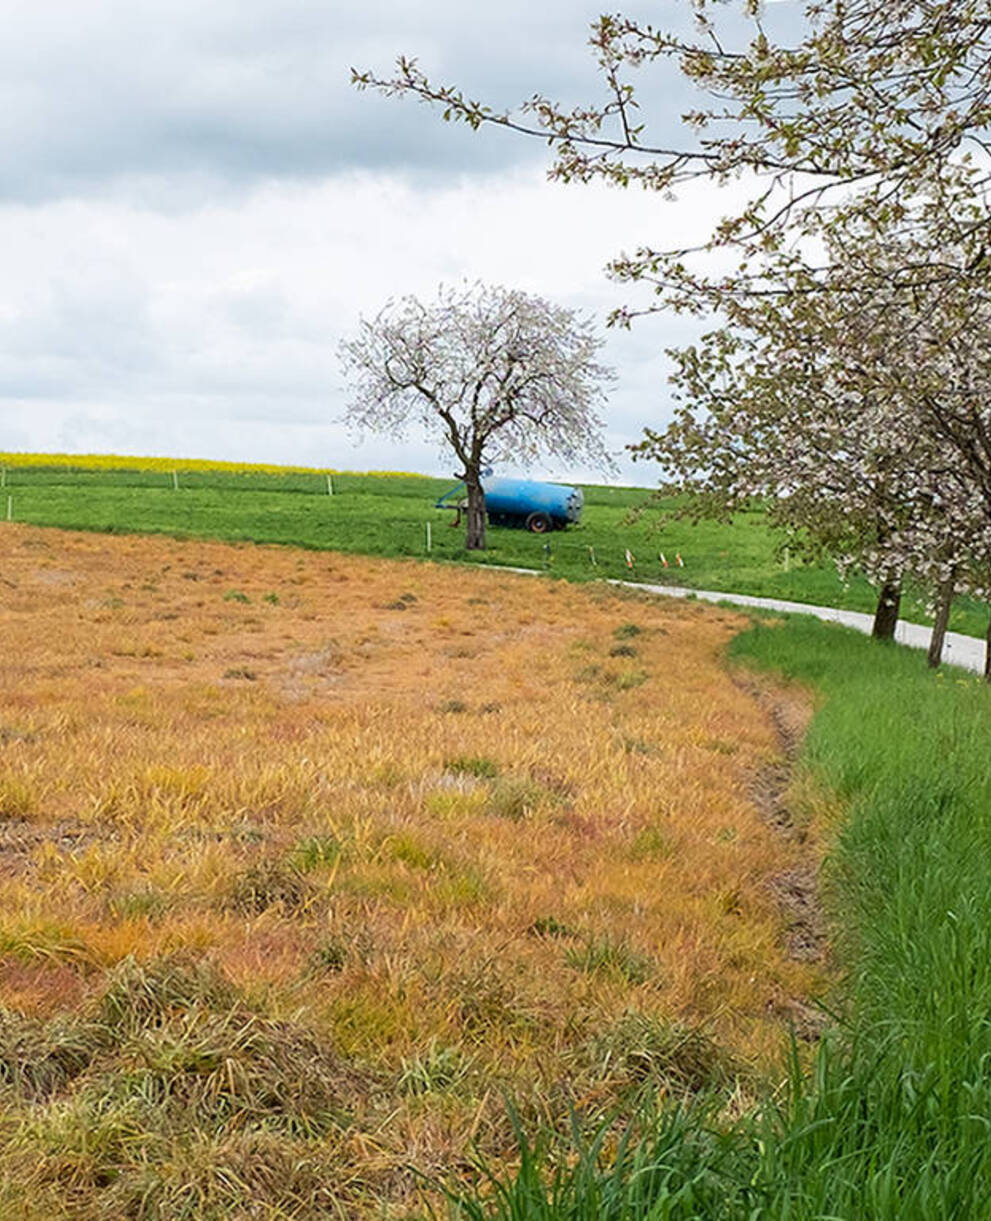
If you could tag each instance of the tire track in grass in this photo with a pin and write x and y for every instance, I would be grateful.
(796, 890)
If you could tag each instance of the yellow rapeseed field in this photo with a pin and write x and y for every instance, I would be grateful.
(131, 462)
(306, 861)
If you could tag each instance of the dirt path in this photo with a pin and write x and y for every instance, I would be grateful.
(797, 889)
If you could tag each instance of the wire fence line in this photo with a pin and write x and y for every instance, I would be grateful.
(40, 495)
(309, 482)
(428, 535)
(320, 483)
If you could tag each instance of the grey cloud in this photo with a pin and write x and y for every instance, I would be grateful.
(94, 91)
(198, 206)
(245, 353)
(182, 334)
(74, 337)
(97, 93)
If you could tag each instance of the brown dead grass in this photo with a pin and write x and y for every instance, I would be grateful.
(434, 815)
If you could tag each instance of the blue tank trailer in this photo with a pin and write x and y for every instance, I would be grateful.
(538, 507)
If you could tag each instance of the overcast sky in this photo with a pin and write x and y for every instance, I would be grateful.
(195, 207)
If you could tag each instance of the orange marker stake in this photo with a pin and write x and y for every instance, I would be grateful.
(629, 559)
(664, 559)
(681, 562)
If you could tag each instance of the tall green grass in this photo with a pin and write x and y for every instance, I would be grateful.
(891, 1120)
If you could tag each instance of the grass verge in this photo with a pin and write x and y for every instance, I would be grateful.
(890, 1119)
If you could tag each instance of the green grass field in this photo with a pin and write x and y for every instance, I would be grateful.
(379, 514)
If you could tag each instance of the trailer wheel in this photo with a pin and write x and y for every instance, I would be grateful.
(539, 523)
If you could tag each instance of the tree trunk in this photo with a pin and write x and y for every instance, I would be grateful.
(946, 591)
(987, 654)
(886, 615)
(474, 514)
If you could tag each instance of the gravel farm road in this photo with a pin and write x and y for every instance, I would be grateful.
(967, 652)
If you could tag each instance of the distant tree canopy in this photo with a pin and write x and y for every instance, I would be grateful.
(493, 373)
